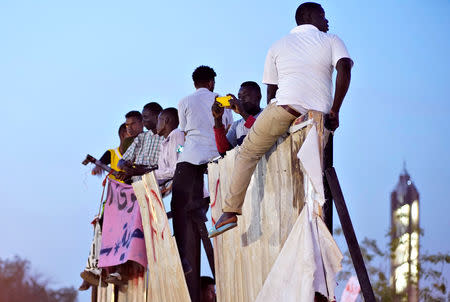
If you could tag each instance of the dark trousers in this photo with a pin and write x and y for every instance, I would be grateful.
(188, 209)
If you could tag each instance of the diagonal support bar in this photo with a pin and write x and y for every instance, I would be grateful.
(207, 246)
(206, 243)
(349, 234)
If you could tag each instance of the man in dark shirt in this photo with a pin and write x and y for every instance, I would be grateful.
(208, 289)
(112, 156)
(246, 105)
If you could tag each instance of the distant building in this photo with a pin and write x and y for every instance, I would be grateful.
(405, 239)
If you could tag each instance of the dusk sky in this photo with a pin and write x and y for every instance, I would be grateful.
(70, 70)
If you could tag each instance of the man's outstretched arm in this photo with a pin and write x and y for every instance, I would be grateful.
(343, 77)
(220, 133)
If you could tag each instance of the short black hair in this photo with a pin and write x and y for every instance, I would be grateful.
(136, 114)
(122, 128)
(205, 281)
(153, 107)
(252, 85)
(203, 74)
(172, 113)
(304, 9)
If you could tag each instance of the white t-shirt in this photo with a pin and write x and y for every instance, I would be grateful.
(197, 121)
(301, 64)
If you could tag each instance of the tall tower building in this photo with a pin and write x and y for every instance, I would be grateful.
(405, 233)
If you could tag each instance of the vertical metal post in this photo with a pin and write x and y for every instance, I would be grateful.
(328, 163)
(207, 246)
(94, 293)
(116, 293)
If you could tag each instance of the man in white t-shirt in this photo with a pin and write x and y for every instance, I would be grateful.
(188, 206)
(298, 73)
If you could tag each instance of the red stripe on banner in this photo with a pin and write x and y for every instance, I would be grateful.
(215, 200)
(106, 178)
(103, 193)
(157, 198)
(152, 229)
(162, 207)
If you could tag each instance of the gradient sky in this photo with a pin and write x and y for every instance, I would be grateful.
(70, 70)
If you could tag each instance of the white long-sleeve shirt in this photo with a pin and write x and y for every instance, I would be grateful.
(197, 121)
(168, 156)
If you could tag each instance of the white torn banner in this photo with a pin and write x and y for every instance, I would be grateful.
(291, 276)
(309, 157)
(310, 258)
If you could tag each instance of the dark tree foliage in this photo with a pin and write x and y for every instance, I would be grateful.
(17, 284)
(433, 286)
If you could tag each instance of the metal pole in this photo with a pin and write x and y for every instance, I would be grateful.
(207, 245)
(94, 293)
(328, 163)
(350, 237)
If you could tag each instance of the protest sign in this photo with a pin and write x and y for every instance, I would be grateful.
(165, 273)
(123, 236)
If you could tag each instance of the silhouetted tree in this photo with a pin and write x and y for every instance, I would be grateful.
(432, 281)
(17, 284)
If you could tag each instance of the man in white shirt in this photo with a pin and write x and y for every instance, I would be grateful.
(171, 145)
(188, 207)
(298, 72)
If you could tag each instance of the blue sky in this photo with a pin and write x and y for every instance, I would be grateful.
(70, 70)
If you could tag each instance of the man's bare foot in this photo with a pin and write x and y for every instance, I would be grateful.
(90, 277)
(84, 286)
(116, 279)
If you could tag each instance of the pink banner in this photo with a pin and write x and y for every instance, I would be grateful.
(122, 232)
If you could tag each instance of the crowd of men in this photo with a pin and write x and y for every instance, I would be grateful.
(298, 73)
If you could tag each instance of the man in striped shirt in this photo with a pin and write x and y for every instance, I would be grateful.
(144, 151)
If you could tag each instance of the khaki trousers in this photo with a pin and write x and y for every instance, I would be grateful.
(273, 122)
